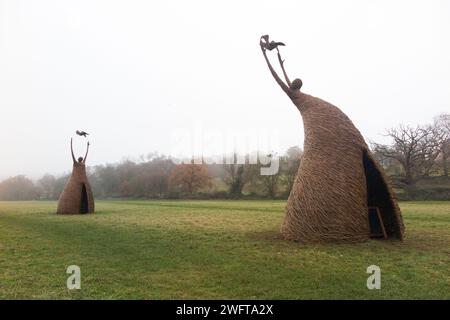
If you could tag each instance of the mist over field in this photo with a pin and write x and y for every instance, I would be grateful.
(134, 74)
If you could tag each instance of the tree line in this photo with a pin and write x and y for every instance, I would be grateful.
(159, 177)
(415, 154)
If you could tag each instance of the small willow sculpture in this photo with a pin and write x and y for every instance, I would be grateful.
(77, 195)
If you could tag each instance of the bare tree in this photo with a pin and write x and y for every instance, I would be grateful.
(289, 166)
(159, 170)
(270, 183)
(415, 149)
(442, 124)
(236, 176)
(47, 185)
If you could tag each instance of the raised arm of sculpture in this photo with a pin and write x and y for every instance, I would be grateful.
(71, 149)
(291, 88)
(274, 74)
(87, 151)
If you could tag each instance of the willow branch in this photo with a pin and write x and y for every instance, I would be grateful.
(282, 68)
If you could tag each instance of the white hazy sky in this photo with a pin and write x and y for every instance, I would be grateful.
(134, 72)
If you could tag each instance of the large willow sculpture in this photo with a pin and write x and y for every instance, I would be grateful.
(338, 178)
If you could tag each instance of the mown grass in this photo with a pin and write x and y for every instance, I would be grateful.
(211, 250)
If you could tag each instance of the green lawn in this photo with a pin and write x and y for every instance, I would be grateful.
(211, 250)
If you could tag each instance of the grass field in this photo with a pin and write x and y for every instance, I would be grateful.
(211, 250)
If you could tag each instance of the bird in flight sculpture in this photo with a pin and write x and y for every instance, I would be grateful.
(82, 133)
(272, 44)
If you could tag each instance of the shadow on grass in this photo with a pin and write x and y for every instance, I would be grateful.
(416, 241)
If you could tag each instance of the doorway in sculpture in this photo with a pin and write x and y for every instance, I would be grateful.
(84, 206)
(382, 212)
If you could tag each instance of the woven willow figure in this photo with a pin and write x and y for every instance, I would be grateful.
(338, 178)
(77, 195)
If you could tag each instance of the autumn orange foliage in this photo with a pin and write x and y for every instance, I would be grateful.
(190, 177)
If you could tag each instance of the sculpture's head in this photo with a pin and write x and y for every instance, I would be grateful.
(80, 159)
(296, 84)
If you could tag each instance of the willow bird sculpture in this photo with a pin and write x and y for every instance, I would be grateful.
(77, 195)
(82, 133)
(272, 44)
(338, 179)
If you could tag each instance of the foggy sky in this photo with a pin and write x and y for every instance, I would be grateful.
(134, 72)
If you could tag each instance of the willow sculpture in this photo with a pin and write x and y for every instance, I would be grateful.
(338, 179)
(77, 195)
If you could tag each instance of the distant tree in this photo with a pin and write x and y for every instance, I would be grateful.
(236, 176)
(160, 169)
(253, 181)
(190, 177)
(124, 189)
(415, 149)
(125, 171)
(125, 174)
(151, 177)
(59, 184)
(46, 184)
(289, 166)
(270, 183)
(109, 179)
(18, 188)
(95, 182)
(442, 124)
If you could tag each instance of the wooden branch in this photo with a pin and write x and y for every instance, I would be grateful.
(282, 68)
